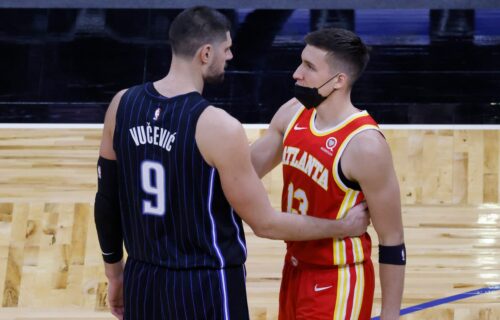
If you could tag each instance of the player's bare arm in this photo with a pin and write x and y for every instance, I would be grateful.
(223, 144)
(367, 160)
(268, 149)
(113, 271)
(106, 148)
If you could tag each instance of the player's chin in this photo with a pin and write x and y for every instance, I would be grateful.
(218, 79)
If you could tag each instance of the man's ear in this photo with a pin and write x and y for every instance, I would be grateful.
(341, 81)
(205, 53)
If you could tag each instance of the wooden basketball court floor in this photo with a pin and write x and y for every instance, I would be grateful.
(50, 265)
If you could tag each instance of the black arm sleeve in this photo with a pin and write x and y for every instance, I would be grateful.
(107, 211)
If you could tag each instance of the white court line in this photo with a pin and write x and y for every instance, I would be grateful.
(259, 126)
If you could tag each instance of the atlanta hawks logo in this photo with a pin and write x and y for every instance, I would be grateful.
(331, 143)
(157, 114)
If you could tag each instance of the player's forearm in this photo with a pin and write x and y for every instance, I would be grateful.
(113, 271)
(261, 162)
(265, 155)
(392, 283)
(257, 156)
(294, 227)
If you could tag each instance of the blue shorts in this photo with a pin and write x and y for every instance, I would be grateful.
(154, 292)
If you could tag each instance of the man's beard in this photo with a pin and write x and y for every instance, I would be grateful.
(215, 78)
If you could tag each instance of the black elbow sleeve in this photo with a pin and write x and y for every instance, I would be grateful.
(107, 211)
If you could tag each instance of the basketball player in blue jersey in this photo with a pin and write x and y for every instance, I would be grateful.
(171, 169)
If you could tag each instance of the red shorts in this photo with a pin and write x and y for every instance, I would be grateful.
(315, 292)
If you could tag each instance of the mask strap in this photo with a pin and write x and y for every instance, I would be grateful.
(328, 80)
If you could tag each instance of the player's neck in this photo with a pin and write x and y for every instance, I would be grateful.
(334, 110)
(181, 78)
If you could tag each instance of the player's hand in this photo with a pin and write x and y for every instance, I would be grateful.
(357, 220)
(115, 296)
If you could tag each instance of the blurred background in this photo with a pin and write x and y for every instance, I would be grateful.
(428, 66)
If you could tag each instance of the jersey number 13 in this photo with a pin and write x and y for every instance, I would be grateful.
(299, 195)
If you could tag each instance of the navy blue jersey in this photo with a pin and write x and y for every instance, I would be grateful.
(174, 213)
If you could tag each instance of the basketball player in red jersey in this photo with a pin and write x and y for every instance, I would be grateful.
(334, 157)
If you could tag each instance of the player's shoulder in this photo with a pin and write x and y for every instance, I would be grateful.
(134, 90)
(115, 102)
(214, 119)
(286, 113)
(367, 157)
(291, 107)
(218, 135)
(119, 95)
(369, 143)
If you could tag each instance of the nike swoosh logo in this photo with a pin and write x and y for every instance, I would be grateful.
(107, 254)
(299, 128)
(318, 289)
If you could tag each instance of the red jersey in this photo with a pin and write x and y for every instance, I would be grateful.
(312, 185)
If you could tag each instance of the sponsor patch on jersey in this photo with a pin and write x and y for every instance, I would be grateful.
(329, 145)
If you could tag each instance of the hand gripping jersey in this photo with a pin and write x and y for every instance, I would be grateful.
(314, 186)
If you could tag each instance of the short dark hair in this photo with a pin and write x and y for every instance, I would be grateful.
(197, 26)
(342, 45)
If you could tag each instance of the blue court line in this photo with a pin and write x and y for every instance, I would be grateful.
(449, 299)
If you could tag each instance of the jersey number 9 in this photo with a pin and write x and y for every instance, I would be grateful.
(153, 183)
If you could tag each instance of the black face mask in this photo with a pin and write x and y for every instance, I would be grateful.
(310, 97)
